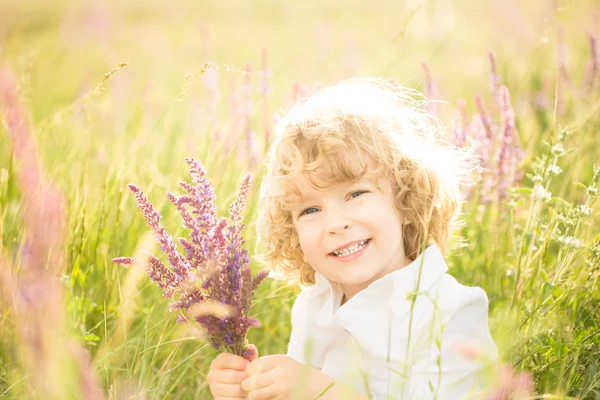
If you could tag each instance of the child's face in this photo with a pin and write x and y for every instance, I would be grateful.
(350, 213)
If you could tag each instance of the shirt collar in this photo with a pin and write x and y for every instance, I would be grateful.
(406, 280)
(430, 264)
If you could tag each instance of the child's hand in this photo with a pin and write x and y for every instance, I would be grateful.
(226, 374)
(272, 377)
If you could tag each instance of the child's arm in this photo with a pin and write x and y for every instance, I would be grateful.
(282, 377)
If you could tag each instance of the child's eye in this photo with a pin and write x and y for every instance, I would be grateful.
(307, 211)
(353, 193)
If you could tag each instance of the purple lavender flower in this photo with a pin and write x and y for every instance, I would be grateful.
(510, 155)
(34, 288)
(485, 118)
(216, 267)
(460, 123)
(431, 90)
(251, 353)
(265, 90)
(561, 56)
(495, 79)
(482, 149)
(265, 75)
(496, 144)
(592, 65)
(299, 91)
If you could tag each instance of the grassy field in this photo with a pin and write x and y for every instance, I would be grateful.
(117, 92)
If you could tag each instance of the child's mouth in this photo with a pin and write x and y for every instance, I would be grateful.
(352, 254)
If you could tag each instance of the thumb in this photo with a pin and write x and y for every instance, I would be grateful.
(250, 353)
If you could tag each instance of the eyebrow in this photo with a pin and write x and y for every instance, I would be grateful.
(302, 199)
(298, 200)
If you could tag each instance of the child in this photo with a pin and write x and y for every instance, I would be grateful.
(358, 202)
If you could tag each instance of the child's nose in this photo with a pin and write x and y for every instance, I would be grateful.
(338, 223)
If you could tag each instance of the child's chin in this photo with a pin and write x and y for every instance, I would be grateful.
(357, 279)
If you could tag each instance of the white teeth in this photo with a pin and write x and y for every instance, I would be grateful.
(350, 250)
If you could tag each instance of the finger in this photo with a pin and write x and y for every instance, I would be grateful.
(231, 398)
(260, 381)
(230, 376)
(227, 390)
(230, 361)
(261, 364)
(251, 352)
(268, 393)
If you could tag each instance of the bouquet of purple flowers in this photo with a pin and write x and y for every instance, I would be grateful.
(212, 283)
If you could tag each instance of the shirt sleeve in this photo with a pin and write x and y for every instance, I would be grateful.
(451, 363)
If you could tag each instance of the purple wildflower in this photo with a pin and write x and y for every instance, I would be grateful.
(485, 118)
(482, 149)
(458, 124)
(216, 267)
(431, 91)
(250, 353)
(511, 384)
(265, 75)
(496, 144)
(561, 56)
(299, 91)
(592, 65)
(177, 261)
(265, 91)
(509, 154)
(32, 287)
(495, 79)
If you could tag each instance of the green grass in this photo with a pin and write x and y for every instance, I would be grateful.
(96, 135)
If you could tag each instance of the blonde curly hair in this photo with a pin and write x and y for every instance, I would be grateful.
(326, 134)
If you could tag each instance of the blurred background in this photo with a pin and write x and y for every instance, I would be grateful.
(100, 94)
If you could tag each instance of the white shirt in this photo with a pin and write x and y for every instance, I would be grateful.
(350, 343)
